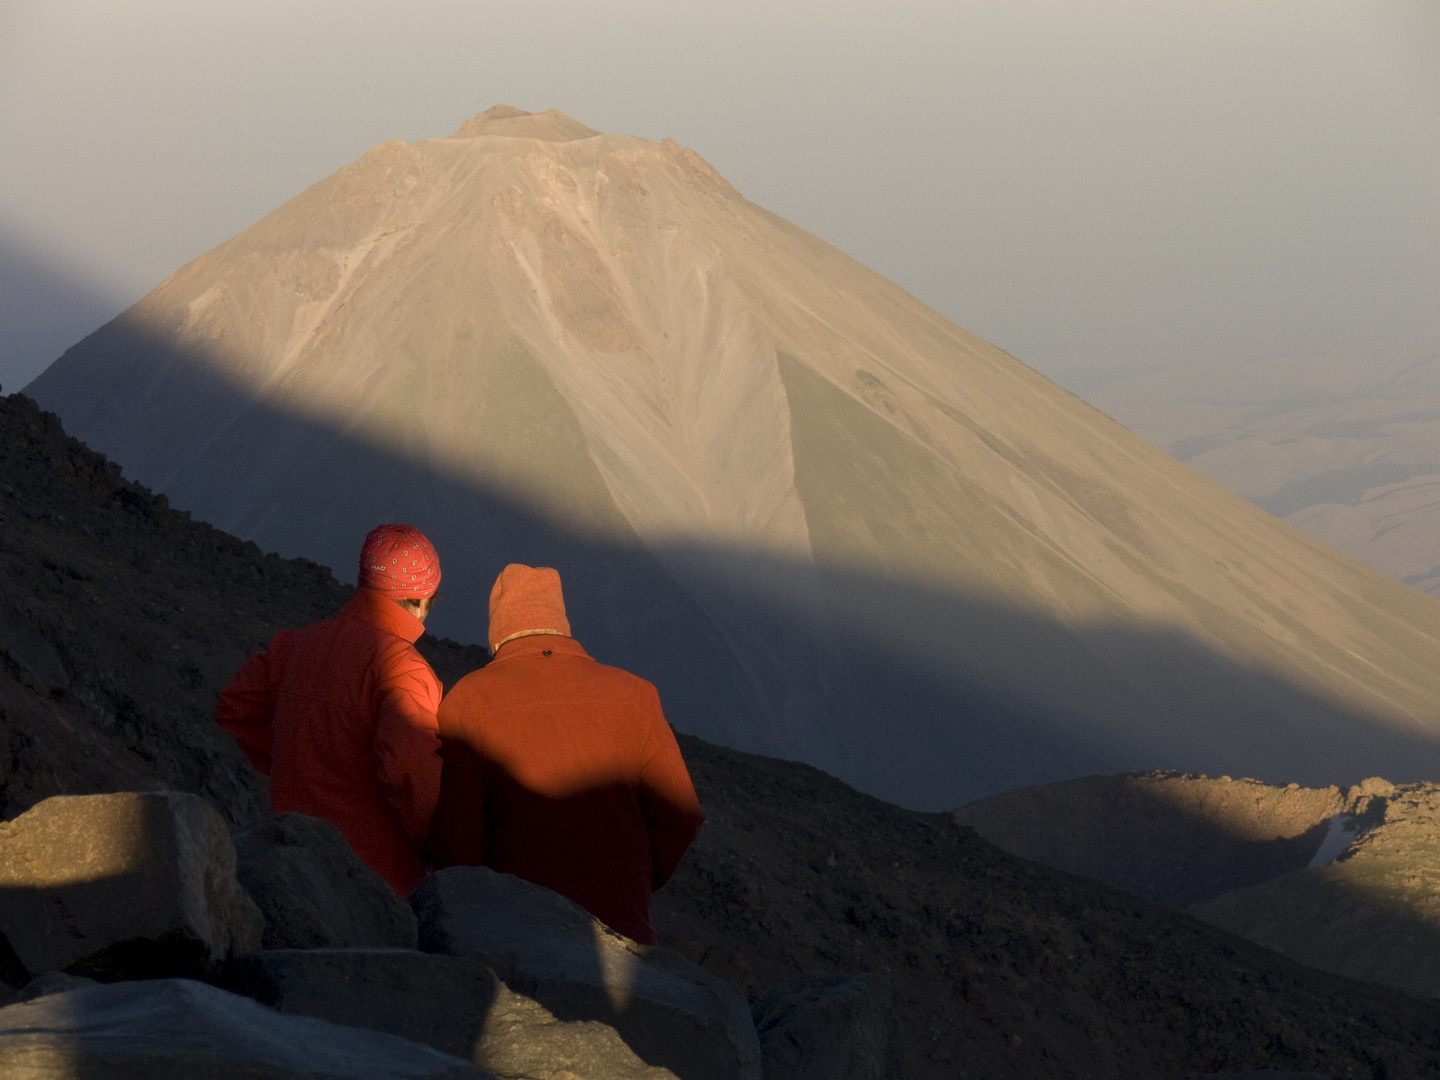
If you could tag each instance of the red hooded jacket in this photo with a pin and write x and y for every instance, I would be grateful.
(341, 716)
(562, 770)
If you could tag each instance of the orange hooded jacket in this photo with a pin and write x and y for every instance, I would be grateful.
(341, 717)
(559, 769)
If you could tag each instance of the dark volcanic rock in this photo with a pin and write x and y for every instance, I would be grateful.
(314, 891)
(34, 661)
(671, 1012)
(453, 1003)
(824, 1027)
(147, 613)
(175, 1029)
(123, 886)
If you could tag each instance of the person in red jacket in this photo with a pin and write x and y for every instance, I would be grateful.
(559, 769)
(341, 715)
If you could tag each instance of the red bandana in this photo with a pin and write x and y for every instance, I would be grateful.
(398, 561)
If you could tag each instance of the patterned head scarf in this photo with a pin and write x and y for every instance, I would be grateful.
(400, 562)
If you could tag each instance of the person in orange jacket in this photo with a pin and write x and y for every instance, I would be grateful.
(559, 769)
(341, 715)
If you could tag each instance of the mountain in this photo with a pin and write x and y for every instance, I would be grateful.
(123, 617)
(1347, 449)
(828, 523)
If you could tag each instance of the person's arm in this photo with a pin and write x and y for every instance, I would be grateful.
(246, 710)
(668, 802)
(407, 746)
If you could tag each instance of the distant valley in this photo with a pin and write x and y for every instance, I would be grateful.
(1346, 449)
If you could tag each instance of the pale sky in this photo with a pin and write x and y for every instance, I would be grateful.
(1096, 186)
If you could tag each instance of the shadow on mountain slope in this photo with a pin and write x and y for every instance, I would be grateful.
(915, 692)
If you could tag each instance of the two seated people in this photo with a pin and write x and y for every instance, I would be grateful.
(544, 763)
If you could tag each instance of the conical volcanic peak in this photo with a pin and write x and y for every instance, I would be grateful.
(829, 523)
(552, 125)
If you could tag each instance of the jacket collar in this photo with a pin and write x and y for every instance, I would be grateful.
(518, 648)
(374, 608)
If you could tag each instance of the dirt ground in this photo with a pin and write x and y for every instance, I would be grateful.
(120, 619)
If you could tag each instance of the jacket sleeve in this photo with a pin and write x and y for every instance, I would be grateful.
(246, 710)
(406, 743)
(668, 802)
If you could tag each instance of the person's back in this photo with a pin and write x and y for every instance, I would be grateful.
(341, 716)
(559, 769)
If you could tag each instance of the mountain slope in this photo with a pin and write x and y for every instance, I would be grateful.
(999, 968)
(829, 524)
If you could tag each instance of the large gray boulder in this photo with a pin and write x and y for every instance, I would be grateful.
(824, 1027)
(52, 982)
(176, 1029)
(453, 1003)
(670, 1012)
(314, 891)
(132, 885)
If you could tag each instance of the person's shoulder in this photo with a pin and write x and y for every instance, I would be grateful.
(471, 680)
(605, 671)
(284, 641)
(395, 649)
(626, 682)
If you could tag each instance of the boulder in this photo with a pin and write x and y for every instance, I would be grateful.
(176, 1029)
(52, 982)
(824, 1027)
(132, 885)
(453, 1003)
(670, 1012)
(314, 891)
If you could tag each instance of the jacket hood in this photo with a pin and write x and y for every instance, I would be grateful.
(525, 601)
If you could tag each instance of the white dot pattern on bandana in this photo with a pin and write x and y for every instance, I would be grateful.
(397, 560)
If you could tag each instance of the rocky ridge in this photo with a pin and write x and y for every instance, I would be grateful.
(1372, 913)
(1343, 879)
(996, 966)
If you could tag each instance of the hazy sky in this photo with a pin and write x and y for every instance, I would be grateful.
(1094, 185)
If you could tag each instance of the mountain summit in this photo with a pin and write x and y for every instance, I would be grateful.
(829, 523)
(549, 126)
